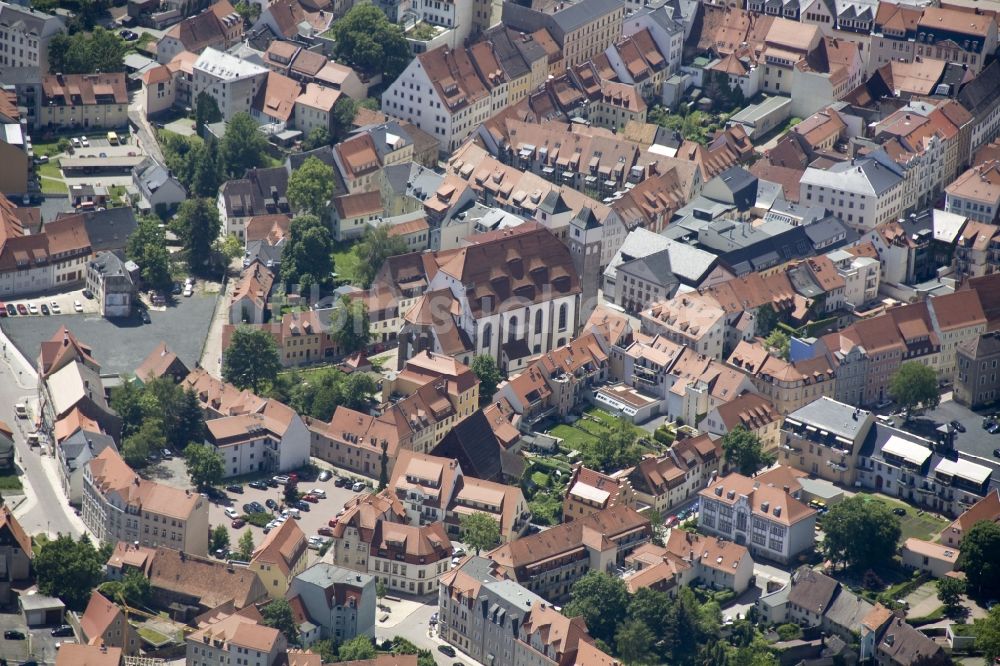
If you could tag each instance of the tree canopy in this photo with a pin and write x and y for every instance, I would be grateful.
(243, 146)
(251, 359)
(206, 110)
(367, 40)
(307, 258)
(147, 247)
(278, 615)
(615, 448)
(978, 557)
(197, 224)
(86, 53)
(988, 634)
(349, 326)
(376, 246)
(356, 649)
(327, 389)
(602, 600)
(174, 410)
(485, 368)
(69, 569)
(744, 451)
(914, 384)
(204, 465)
(245, 546)
(860, 515)
(310, 187)
(480, 531)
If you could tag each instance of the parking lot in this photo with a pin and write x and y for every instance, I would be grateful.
(120, 345)
(65, 303)
(39, 643)
(310, 521)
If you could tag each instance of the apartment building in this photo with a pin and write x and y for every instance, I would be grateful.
(977, 249)
(13, 146)
(549, 562)
(303, 338)
(958, 320)
(581, 29)
(694, 322)
(788, 385)
(751, 411)
(976, 193)
(70, 101)
(987, 509)
(314, 108)
(903, 465)
(24, 37)
(767, 520)
(672, 479)
(824, 439)
(271, 439)
(435, 490)
(280, 557)
(104, 623)
(218, 27)
(407, 558)
(119, 505)
(976, 383)
(235, 639)
(232, 82)
(338, 602)
(861, 192)
(589, 491)
(110, 280)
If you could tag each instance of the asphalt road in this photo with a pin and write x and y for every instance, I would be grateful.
(46, 508)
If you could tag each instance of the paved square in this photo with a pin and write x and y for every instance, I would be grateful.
(120, 345)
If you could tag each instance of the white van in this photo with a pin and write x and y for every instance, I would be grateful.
(318, 492)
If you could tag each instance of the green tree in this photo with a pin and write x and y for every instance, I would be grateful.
(376, 246)
(383, 474)
(206, 111)
(978, 557)
(988, 634)
(914, 384)
(767, 319)
(342, 118)
(126, 400)
(204, 465)
(290, 493)
(326, 649)
(480, 531)
(197, 223)
(219, 539)
(650, 607)
(317, 137)
(86, 53)
(950, 591)
(248, 11)
(635, 642)
(149, 438)
(147, 247)
(251, 359)
(135, 588)
(278, 615)
(243, 146)
(69, 569)
(602, 600)
(230, 247)
(744, 452)
(350, 327)
(245, 546)
(856, 516)
(307, 257)
(310, 187)
(485, 368)
(615, 448)
(366, 39)
(204, 169)
(779, 341)
(356, 649)
(380, 589)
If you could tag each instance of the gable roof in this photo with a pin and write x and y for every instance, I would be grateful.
(282, 547)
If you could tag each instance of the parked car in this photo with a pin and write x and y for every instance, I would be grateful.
(144, 315)
(232, 514)
(188, 291)
(271, 483)
(258, 485)
(11, 310)
(55, 308)
(996, 453)
(333, 522)
(237, 523)
(309, 497)
(12, 635)
(271, 504)
(32, 308)
(3, 310)
(257, 507)
(325, 531)
(325, 475)
(78, 306)
(358, 486)
(957, 425)
(62, 630)
(280, 479)
(291, 511)
(176, 289)
(235, 488)
(22, 309)
(318, 492)
(168, 454)
(88, 294)
(341, 482)
(447, 650)
(302, 506)
(993, 429)
(248, 508)
(75, 141)
(85, 142)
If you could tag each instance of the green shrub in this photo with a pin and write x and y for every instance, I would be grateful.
(722, 597)
(663, 436)
(540, 479)
(257, 519)
(789, 632)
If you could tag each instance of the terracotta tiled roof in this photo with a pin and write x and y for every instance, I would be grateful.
(282, 547)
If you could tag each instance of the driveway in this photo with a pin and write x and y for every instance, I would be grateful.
(120, 345)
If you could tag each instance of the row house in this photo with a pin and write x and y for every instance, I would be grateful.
(750, 411)
(638, 61)
(233, 83)
(976, 194)
(235, 638)
(672, 479)
(768, 520)
(549, 562)
(303, 338)
(862, 192)
(118, 505)
(218, 27)
(273, 439)
(905, 33)
(692, 321)
(25, 35)
(90, 101)
(976, 383)
(902, 465)
(435, 490)
(337, 602)
(689, 558)
(581, 29)
(824, 439)
(589, 491)
(788, 385)
(560, 382)
(903, 254)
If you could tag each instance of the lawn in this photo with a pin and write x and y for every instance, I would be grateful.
(344, 261)
(10, 482)
(588, 429)
(915, 523)
(51, 178)
(153, 637)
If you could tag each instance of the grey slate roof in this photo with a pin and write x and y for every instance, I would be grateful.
(324, 575)
(812, 590)
(76, 443)
(832, 416)
(577, 14)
